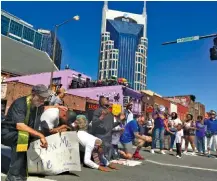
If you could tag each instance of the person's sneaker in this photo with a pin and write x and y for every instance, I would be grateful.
(137, 156)
(185, 152)
(177, 156)
(152, 151)
(193, 154)
(162, 152)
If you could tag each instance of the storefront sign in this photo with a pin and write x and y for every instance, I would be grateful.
(116, 109)
(3, 91)
(62, 155)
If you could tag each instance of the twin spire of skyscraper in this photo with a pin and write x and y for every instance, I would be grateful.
(105, 7)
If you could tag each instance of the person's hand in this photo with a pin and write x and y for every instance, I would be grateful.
(103, 169)
(112, 166)
(43, 141)
(64, 108)
(122, 130)
(103, 114)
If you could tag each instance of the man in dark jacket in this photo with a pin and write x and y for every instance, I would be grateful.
(102, 125)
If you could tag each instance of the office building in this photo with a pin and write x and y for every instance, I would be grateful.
(47, 46)
(17, 29)
(123, 51)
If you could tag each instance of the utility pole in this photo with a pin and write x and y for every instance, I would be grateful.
(191, 38)
(213, 50)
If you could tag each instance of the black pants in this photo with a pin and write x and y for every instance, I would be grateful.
(179, 149)
(18, 164)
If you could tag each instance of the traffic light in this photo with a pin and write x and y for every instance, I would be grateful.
(213, 50)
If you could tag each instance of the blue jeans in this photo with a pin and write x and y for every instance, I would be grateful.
(158, 134)
(172, 140)
(201, 144)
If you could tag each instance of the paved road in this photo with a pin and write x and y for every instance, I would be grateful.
(156, 168)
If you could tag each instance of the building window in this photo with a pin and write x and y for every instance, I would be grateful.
(138, 77)
(139, 67)
(38, 41)
(100, 65)
(28, 34)
(16, 28)
(56, 81)
(113, 64)
(138, 86)
(4, 25)
(104, 75)
(109, 74)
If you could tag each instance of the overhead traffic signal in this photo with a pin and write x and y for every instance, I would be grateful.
(213, 50)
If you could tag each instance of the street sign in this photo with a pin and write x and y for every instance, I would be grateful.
(192, 38)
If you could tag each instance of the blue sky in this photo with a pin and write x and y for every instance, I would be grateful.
(177, 69)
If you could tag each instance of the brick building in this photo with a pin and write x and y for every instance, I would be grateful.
(13, 90)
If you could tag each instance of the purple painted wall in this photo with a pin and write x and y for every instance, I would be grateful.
(44, 78)
(112, 92)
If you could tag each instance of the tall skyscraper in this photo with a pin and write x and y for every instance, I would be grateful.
(24, 32)
(124, 44)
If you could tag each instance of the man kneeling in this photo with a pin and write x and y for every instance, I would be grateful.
(92, 145)
(131, 135)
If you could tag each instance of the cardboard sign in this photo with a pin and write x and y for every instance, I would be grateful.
(116, 109)
(62, 155)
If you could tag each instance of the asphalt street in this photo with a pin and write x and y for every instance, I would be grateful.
(157, 167)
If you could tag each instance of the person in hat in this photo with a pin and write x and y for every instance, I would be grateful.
(92, 146)
(211, 132)
(19, 124)
(129, 113)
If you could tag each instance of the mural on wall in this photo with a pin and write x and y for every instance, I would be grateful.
(114, 97)
(184, 100)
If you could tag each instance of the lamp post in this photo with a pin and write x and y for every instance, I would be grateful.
(76, 18)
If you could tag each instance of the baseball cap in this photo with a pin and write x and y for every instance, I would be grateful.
(161, 108)
(212, 112)
(41, 90)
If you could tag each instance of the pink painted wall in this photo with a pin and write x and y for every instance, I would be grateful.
(44, 78)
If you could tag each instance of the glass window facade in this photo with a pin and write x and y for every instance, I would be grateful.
(4, 25)
(28, 34)
(16, 28)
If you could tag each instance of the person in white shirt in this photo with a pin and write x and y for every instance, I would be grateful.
(173, 123)
(55, 120)
(116, 134)
(129, 113)
(91, 145)
(178, 140)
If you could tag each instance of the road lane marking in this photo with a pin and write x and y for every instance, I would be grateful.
(32, 178)
(181, 166)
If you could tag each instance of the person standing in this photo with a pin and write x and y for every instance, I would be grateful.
(103, 124)
(19, 124)
(178, 140)
(200, 134)
(58, 98)
(158, 131)
(129, 113)
(189, 133)
(211, 133)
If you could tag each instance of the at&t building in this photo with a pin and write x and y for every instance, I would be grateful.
(124, 43)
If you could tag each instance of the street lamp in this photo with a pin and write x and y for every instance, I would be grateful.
(76, 18)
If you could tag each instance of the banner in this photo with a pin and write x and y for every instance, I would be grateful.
(116, 109)
(3, 91)
(62, 155)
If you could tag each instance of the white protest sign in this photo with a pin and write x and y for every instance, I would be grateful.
(62, 155)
